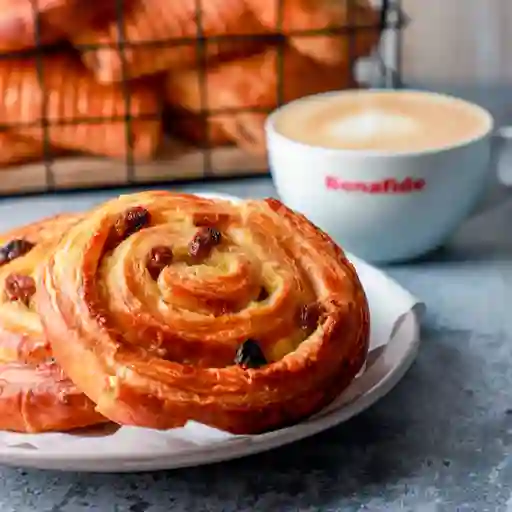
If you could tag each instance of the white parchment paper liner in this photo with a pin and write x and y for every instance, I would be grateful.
(386, 317)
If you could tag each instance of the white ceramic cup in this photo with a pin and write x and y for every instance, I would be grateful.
(382, 206)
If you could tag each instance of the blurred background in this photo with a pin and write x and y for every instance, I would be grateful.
(463, 48)
(103, 94)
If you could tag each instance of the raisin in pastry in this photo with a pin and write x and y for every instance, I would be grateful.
(243, 316)
(35, 394)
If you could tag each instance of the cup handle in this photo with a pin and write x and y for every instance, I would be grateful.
(501, 165)
(502, 140)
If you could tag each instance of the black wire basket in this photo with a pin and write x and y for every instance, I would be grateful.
(98, 99)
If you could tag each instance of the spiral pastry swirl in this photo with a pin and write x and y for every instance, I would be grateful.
(35, 394)
(164, 308)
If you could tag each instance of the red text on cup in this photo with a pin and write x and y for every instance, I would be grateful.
(386, 186)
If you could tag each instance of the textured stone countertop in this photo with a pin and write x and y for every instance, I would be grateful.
(440, 441)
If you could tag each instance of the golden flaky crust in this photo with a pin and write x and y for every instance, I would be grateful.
(15, 149)
(248, 88)
(158, 349)
(35, 395)
(176, 26)
(57, 18)
(82, 114)
(163, 35)
(355, 26)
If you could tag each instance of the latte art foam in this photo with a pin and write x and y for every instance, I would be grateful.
(371, 124)
(381, 120)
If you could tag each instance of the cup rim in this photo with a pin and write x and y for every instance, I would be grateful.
(487, 117)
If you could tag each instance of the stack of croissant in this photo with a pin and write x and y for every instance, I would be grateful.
(157, 308)
(168, 58)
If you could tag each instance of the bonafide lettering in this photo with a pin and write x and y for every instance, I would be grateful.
(386, 186)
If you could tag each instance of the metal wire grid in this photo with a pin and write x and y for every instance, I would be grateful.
(392, 18)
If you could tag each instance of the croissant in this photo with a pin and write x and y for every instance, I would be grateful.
(193, 128)
(165, 308)
(246, 87)
(162, 35)
(358, 21)
(19, 21)
(18, 28)
(79, 111)
(15, 149)
(35, 395)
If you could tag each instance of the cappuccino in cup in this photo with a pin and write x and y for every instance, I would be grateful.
(395, 121)
(389, 174)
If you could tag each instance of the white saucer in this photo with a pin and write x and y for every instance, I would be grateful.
(386, 366)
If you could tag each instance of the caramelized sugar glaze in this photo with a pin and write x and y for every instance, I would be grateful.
(35, 394)
(165, 308)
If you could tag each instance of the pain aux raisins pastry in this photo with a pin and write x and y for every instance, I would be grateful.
(35, 395)
(164, 308)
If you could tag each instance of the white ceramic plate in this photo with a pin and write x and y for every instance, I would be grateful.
(385, 367)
